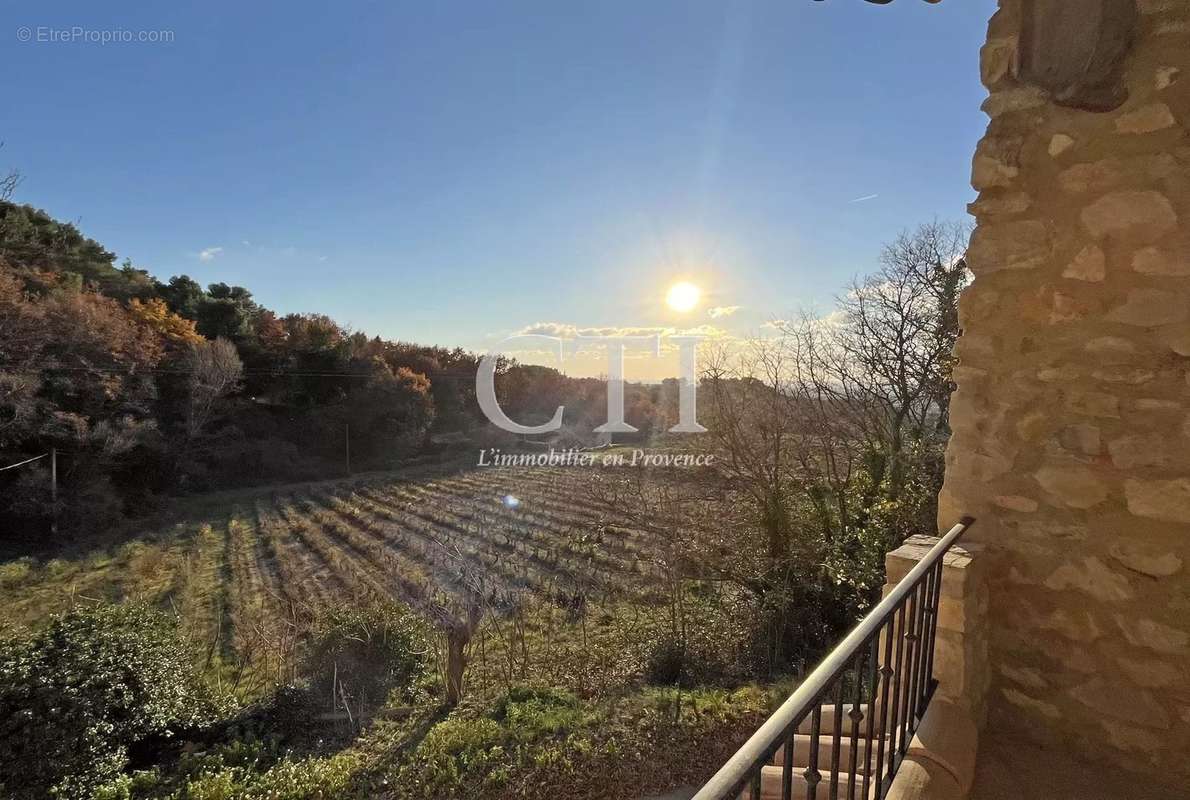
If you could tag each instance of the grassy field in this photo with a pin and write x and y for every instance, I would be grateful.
(572, 603)
(244, 570)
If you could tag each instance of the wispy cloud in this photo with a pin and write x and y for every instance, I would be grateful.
(722, 311)
(209, 254)
(864, 199)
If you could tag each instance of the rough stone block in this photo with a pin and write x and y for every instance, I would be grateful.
(1154, 635)
(1059, 144)
(1150, 118)
(1146, 559)
(1139, 450)
(1122, 702)
(1089, 265)
(1009, 245)
(1167, 500)
(1138, 216)
(1150, 308)
(1091, 576)
(1072, 486)
(1153, 261)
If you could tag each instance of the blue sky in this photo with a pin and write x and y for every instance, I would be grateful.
(447, 172)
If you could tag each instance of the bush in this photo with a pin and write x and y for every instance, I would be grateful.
(77, 695)
(362, 654)
(692, 661)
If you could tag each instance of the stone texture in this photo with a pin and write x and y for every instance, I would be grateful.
(1075, 487)
(1122, 702)
(1016, 502)
(1111, 349)
(1134, 215)
(1097, 176)
(1009, 245)
(1089, 265)
(1025, 676)
(1139, 450)
(1084, 439)
(1094, 404)
(997, 60)
(996, 164)
(1149, 673)
(1148, 119)
(1166, 77)
(1154, 635)
(1059, 144)
(1011, 100)
(1151, 308)
(1023, 700)
(1078, 626)
(1176, 338)
(1146, 559)
(996, 204)
(1167, 500)
(1091, 577)
(1071, 440)
(1153, 261)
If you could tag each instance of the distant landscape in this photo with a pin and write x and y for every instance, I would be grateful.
(271, 564)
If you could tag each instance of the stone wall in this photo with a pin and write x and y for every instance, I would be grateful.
(1072, 417)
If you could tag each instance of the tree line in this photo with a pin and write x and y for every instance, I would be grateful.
(148, 387)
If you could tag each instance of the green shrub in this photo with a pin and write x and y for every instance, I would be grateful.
(364, 653)
(530, 713)
(75, 696)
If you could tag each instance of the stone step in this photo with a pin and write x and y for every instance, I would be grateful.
(801, 752)
(770, 786)
(827, 726)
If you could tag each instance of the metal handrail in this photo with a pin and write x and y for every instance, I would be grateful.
(745, 766)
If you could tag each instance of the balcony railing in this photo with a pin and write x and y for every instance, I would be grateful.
(865, 699)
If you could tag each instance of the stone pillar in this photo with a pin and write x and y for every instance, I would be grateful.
(940, 764)
(1071, 440)
(961, 642)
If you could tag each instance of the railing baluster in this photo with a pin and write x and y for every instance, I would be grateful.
(873, 705)
(911, 649)
(837, 738)
(811, 774)
(787, 767)
(857, 697)
(927, 614)
(886, 676)
(936, 604)
(898, 674)
(911, 704)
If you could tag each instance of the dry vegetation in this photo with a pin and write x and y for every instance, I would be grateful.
(545, 580)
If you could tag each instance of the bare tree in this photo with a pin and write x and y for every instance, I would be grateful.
(215, 370)
(9, 182)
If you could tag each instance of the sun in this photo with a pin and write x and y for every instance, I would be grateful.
(683, 296)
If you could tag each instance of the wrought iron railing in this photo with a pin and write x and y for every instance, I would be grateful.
(879, 679)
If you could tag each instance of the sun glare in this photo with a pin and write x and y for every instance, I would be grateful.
(682, 296)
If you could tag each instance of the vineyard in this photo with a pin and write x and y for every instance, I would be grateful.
(531, 548)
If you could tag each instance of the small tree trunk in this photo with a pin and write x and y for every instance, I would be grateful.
(456, 662)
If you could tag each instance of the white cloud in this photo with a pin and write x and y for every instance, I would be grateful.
(722, 311)
(864, 199)
(209, 254)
